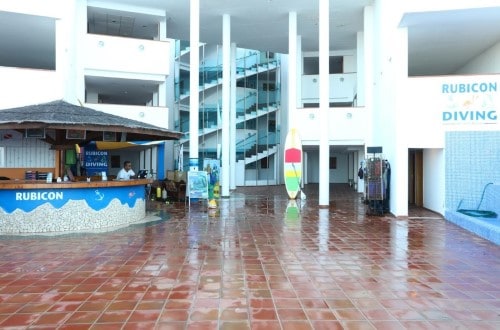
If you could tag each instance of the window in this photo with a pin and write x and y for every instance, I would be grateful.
(75, 134)
(35, 133)
(269, 87)
(311, 65)
(264, 163)
(115, 161)
(109, 136)
(333, 163)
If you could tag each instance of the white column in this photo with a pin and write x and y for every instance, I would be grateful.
(232, 131)
(367, 78)
(360, 65)
(69, 65)
(194, 60)
(324, 102)
(162, 27)
(155, 99)
(162, 95)
(292, 68)
(226, 104)
(298, 73)
(399, 161)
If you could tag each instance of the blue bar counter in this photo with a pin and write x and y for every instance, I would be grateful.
(33, 207)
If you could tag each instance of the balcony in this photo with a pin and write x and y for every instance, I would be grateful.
(347, 125)
(110, 53)
(342, 89)
(157, 116)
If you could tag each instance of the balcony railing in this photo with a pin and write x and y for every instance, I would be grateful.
(343, 88)
(157, 116)
(110, 53)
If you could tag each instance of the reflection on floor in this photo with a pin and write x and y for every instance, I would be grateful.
(256, 262)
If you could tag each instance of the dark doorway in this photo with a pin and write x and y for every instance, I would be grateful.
(415, 177)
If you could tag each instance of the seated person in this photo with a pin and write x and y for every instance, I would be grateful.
(126, 173)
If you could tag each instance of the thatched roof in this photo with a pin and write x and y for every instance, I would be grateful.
(61, 116)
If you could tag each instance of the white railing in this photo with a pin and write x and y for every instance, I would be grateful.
(157, 116)
(111, 53)
(342, 88)
(346, 125)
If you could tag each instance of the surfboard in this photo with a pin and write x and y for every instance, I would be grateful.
(292, 213)
(292, 165)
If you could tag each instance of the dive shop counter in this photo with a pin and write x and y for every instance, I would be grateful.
(36, 207)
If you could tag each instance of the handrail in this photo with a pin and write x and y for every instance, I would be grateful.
(249, 140)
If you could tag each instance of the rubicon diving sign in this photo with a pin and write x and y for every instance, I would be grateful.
(470, 103)
(39, 196)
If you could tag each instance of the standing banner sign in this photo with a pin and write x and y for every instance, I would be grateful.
(212, 167)
(197, 185)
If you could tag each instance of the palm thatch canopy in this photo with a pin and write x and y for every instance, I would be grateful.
(57, 118)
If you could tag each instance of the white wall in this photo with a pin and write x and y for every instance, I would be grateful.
(434, 180)
(49, 8)
(25, 152)
(486, 63)
(22, 87)
(338, 175)
(433, 5)
(350, 63)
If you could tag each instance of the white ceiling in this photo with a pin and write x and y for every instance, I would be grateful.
(439, 43)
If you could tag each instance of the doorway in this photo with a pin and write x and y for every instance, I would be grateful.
(415, 177)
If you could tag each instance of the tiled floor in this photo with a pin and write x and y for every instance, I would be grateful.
(256, 264)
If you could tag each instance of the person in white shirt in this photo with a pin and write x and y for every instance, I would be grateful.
(126, 173)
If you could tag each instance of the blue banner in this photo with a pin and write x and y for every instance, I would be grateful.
(95, 161)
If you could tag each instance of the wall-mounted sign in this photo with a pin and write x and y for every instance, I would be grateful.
(76, 134)
(109, 136)
(95, 161)
(35, 133)
(470, 102)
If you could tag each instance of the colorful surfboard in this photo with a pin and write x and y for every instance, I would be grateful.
(292, 213)
(293, 163)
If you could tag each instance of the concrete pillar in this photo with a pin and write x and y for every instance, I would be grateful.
(226, 102)
(232, 122)
(324, 102)
(292, 68)
(194, 96)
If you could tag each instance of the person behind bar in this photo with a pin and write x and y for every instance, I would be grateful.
(126, 173)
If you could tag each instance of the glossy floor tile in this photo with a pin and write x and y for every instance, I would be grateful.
(256, 262)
